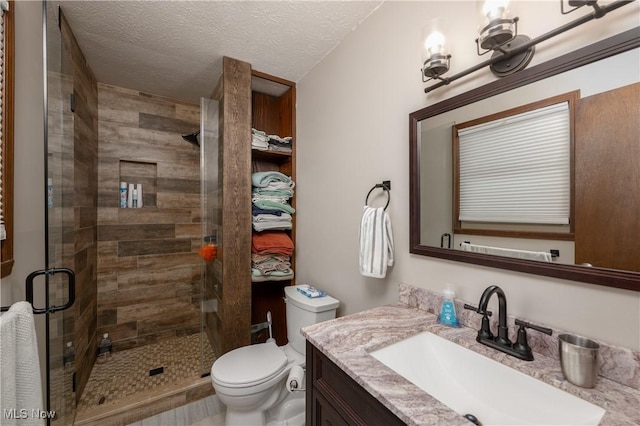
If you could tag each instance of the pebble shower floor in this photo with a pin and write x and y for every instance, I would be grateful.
(128, 372)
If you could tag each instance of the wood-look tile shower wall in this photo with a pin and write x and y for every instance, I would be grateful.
(73, 138)
(148, 266)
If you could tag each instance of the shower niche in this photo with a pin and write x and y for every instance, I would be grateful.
(144, 174)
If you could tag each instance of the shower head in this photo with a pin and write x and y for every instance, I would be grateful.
(192, 138)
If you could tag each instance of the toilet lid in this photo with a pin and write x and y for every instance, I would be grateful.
(249, 364)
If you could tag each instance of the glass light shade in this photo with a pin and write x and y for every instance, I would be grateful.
(496, 25)
(435, 43)
(495, 9)
(435, 57)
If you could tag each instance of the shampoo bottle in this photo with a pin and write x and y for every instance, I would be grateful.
(130, 196)
(69, 356)
(123, 195)
(50, 192)
(104, 349)
(139, 189)
(448, 310)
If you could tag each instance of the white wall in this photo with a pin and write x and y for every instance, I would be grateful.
(352, 129)
(29, 159)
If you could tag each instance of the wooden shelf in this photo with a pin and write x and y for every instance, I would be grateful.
(270, 155)
(273, 112)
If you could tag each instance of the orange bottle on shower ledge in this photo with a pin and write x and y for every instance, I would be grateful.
(208, 252)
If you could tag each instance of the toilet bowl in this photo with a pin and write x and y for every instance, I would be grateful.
(251, 380)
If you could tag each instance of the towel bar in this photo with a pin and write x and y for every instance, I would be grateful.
(386, 186)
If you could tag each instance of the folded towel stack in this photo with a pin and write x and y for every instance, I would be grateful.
(271, 242)
(276, 143)
(271, 256)
(270, 197)
(272, 179)
(271, 217)
(263, 222)
(263, 142)
(259, 140)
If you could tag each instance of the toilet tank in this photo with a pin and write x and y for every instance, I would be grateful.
(303, 311)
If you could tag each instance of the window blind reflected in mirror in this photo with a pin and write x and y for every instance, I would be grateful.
(517, 169)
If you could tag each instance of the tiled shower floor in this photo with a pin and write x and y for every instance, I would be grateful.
(128, 373)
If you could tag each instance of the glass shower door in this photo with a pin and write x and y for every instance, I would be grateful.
(59, 215)
(210, 187)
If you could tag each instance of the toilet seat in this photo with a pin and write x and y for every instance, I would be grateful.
(249, 365)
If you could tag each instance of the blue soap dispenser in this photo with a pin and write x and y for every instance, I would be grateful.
(448, 310)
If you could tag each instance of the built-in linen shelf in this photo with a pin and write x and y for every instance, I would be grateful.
(272, 282)
(270, 155)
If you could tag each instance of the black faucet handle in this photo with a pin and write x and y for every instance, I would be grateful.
(522, 346)
(525, 324)
(485, 330)
(474, 309)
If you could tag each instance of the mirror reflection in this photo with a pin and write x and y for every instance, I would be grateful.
(605, 200)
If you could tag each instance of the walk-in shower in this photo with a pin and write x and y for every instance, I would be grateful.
(139, 277)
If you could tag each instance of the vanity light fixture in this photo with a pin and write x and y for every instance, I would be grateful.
(499, 34)
(435, 55)
(577, 4)
(512, 52)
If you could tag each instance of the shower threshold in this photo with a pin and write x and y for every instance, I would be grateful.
(145, 404)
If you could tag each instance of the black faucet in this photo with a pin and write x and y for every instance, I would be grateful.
(521, 348)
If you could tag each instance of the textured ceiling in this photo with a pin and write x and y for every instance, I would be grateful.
(175, 48)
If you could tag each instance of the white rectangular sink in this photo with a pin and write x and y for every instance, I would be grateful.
(470, 383)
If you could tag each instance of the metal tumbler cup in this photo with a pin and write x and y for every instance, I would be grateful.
(579, 359)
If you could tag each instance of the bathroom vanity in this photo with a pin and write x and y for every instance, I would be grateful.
(346, 385)
(337, 399)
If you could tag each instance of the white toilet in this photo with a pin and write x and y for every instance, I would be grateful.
(251, 381)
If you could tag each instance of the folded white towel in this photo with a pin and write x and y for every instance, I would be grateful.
(259, 144)
(259, 135)
(265, 217)
(272, 226)
(541, 256)
(376, 242)
(275, 198)
(20, 367)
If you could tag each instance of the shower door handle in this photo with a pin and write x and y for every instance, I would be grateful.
(71, 286)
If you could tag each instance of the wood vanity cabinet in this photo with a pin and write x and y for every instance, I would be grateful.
(334, 398)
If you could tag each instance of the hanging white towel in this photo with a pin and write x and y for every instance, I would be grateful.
(376, 242)
(21, 391)
(541, 256)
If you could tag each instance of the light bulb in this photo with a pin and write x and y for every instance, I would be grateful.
(434, 43)
(435, 57)
(495, 9)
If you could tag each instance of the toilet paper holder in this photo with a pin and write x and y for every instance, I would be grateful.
(295, 379)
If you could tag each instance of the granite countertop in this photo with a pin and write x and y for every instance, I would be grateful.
(348, 340)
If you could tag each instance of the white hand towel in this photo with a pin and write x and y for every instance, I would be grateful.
(20, 372)
(376, 242)
(541, 256)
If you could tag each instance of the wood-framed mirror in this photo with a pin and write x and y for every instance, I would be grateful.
(443, 112)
